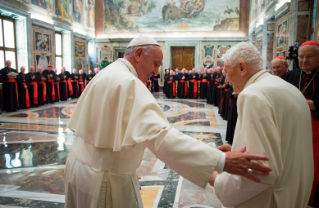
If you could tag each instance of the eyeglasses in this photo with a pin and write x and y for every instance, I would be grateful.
(306, 57)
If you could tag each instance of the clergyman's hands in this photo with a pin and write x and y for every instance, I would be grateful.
(238, 162)
(224, 148)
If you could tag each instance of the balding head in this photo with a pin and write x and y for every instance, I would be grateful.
(8, 63)
(308, 57)
(32, 69)
(279, 66)
(22, 69)
(62, 70)
(241, 62)
(40, 69)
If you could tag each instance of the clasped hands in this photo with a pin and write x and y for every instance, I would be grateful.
(238, 162)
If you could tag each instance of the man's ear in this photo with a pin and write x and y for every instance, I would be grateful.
(138, 54)
(243, 68)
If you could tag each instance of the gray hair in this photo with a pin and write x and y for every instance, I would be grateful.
(130, 50)
(246, 52)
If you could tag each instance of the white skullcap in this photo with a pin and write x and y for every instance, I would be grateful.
(142, 40)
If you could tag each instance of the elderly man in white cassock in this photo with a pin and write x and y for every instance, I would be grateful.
(273, 119)
(116, 118)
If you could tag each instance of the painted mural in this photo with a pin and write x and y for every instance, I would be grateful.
(80, 50)
(212, 52)
(282, 34)
(40, 3)
(90, 13)
(170, 15)
(42, 47)
(62, 8)
(77, 7)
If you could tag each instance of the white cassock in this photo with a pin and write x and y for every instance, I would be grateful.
(273, 120)
(115, 119)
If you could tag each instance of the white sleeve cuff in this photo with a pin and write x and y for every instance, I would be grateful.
(221, 163)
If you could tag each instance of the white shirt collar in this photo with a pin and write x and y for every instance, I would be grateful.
(129, 66)
(255, 77)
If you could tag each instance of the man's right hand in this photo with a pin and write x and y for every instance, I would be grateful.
(238, 162)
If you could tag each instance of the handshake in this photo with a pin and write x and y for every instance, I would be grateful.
(240, 163)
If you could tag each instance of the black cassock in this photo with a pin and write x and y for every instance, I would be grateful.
(42, 86)
(82, 78)
(50, 77)
(155, 85)
(9, 91)
(171, 87)
(232, 117)
(203, 86)
(182, 86)
(33, 89)
(166, 78)
(89, 77)
(193, 85)
(224, 102)
(209, 96)
(24, 99)
(63, 85)
(216, 93)
(75, 85)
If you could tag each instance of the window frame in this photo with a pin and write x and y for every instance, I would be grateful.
(3, 48)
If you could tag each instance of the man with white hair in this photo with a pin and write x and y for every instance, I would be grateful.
(109, 145)
(273, 119)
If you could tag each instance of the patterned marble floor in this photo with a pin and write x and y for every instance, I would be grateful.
(35, 143)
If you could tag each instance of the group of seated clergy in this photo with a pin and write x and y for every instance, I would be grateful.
(36, 88)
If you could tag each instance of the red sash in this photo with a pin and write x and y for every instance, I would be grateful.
(57, 84)
(70, 86)
(225, 90)
(27, 98)
(195, 86)
(185, 86)
(14, 81)
(205, 81)
(53, 89)
(77, 84)
(174, 87)
(66, 87)
(82, 85)
(216, 83)
(35, 91)
(44, 90)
